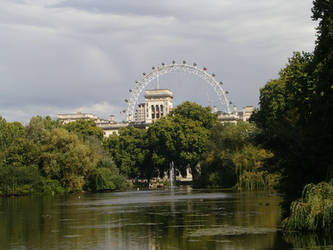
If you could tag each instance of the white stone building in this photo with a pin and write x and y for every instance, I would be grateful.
(236, 116)
(67, 118)
(247, 112)
(158, 103)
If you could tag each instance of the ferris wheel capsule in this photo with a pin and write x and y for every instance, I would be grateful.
(184, 62)
(213, 75)
(173, 62)
(204, 69)
(194, 64)
(144, 73)
(163, 63)
(221, 83)
(152, 68)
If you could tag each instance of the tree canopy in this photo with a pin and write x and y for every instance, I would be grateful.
(295, 114)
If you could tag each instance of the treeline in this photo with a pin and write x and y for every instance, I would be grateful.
(48, 157)
(191, 137)
(296, 123)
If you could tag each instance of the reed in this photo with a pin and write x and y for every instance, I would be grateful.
(260, 180)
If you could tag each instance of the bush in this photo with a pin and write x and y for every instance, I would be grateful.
(314, 211)
(49, 186)
(18, 180)
(103, 179)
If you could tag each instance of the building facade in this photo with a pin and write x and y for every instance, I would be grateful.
(67, 118)
(236, 116)
(158, 103)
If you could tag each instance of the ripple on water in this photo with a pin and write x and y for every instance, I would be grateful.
(72, 236)
(227, 230)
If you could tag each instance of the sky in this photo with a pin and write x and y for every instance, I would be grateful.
(65, 56)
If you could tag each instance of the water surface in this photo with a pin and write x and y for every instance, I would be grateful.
(181, 218)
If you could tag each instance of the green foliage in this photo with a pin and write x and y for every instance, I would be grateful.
(284, 119)
(67, 159)
(107, 162)
(295, 111)
(314, 211)
(48, 187)
(128, 150)
(179, 140)
(39, 127)
(232, 159)
(21, 152)
(248, 164)
(257, 180)
(106, 177)
(85, 129)
(103, 179)
(9, 131)
(196, 112)
(48, 159)
(18, 180)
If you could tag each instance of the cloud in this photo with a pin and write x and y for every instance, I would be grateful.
(103, 110)
(83, 53)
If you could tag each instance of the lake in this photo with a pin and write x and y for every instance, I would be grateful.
(180, 218)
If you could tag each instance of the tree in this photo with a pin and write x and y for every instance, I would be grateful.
(67, 159)
(283, 117)
(9, 131)
(177, 140)
(85, 129)
(128, 150)
(196, 112)
(299, 129)
(230, 153)
(38, 128)
(180, 138)
(321, 121)
(105, 177)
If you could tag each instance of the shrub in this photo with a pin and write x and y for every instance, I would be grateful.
(103, 179)
(314, 211)
(18, 180)
(49, 186)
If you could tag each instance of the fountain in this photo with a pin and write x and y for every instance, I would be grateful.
(172, 174)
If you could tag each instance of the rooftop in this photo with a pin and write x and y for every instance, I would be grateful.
(155, 93)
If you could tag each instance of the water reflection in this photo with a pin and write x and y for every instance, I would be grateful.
(181, 218)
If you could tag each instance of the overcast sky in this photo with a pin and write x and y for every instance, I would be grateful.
(61, 56)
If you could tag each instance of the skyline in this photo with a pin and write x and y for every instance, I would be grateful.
(64, 56)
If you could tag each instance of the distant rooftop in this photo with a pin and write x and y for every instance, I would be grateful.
(156, 93)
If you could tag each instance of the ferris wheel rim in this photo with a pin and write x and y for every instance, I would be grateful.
(174, 67)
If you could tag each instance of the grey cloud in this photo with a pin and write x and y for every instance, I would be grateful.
(76, 55)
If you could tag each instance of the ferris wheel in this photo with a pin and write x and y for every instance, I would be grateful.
(175, 67)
